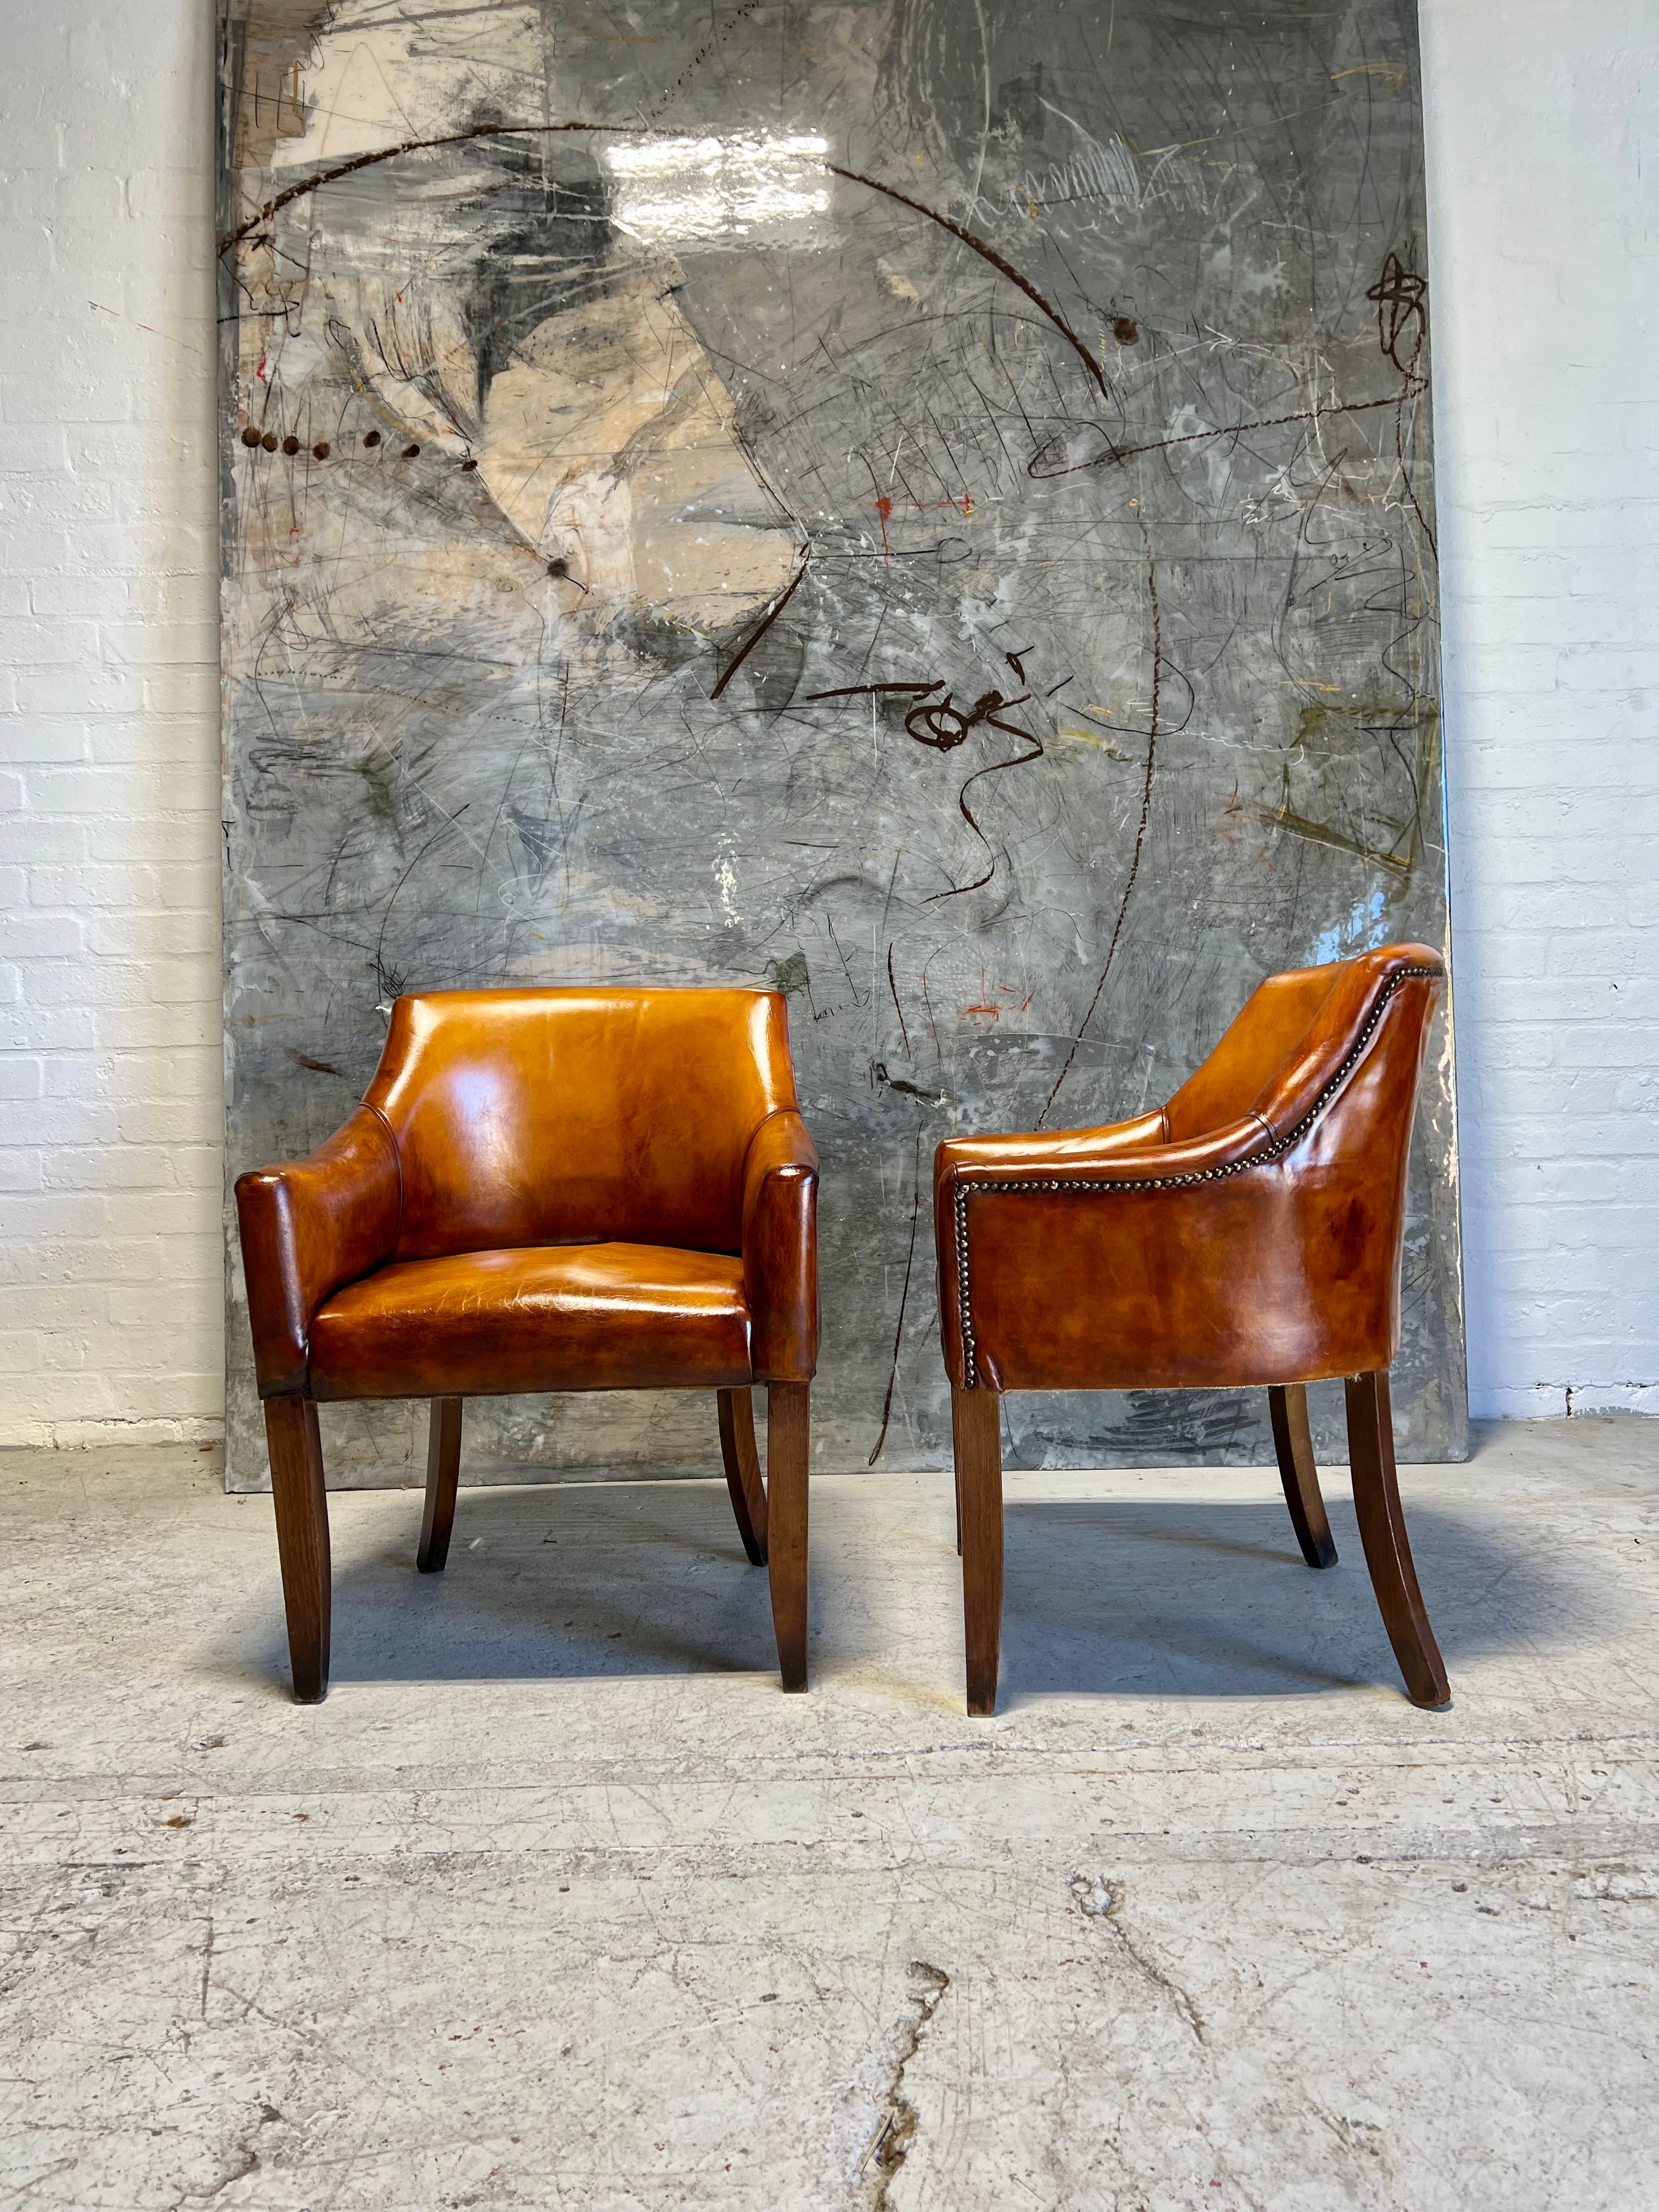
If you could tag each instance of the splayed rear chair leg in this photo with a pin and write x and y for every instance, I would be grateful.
(301, 1504)
(743, 1473)
(1382, 1532)
(976, 1434)
(443, 1473)
(789, 1439)
(1294, 1445)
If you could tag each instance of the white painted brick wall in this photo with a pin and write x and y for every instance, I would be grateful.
(111, 1124)
(1543, 165)
(1543, 143)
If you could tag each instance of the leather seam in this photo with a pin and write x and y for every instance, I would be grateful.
(776, 1114)
(1275, 1148)
(398, 1162)
(396, 1235)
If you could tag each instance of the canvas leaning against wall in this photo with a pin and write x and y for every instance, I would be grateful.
(921, 504)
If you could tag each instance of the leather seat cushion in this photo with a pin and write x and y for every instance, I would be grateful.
(539, 1317)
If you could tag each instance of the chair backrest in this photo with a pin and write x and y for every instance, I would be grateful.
(537, 1117)
(1292, 1036)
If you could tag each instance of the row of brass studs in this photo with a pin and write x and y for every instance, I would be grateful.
(970, 1359)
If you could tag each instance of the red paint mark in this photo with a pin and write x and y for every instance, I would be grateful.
(995, 1012)
(260, 371)
(883, 508)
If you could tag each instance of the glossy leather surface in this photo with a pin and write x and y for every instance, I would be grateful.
(522, 1117)
(500, 1122)
(1249, 1233)
(780, 1246)
(307, 1226)
(538, 1317)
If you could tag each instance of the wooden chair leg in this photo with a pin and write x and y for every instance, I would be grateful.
(743, 1471)
(976, 1434)
(443, 1474)
(788, 1442)
(1294, 1445)
(958, 1484)
(1382, 1532)
(301, 1504)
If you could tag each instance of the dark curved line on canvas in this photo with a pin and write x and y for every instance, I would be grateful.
(904, 1299)
(321, 176)
(986, 252)
(1146, 813)
(993, 768)
(763, 625)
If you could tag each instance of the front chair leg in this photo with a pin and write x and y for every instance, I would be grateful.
(743, 1473)
(301, 1503)
(977, 1435)
(1382, 1532)
(1293, 1442)
(788, 1430)
(443, 1474)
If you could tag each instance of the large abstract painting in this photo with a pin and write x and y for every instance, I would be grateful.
(926, 505)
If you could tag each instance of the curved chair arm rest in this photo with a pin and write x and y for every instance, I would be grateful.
(979, 1164)
(779, 1247)
(307, 1227)
(1049, 1152)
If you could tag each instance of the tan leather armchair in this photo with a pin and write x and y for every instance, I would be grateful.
(1248, 1232)
(546, 1190)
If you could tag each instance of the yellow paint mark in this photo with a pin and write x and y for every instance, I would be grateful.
(1095, 737)
(1395, 78)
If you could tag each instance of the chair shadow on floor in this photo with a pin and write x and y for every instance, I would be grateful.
(1213, 1600)
(575, 1580)
(583, 1581)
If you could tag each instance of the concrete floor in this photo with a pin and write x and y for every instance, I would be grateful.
(559, 1902)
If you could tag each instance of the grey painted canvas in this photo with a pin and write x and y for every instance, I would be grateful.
(925, 504)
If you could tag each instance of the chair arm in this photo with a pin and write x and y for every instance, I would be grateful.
(308, 1226)
(1046, 1151)
(1147, 1266)
(1128, 1151)
(780, 1249)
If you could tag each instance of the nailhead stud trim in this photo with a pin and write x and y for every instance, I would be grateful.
(1275, 1148)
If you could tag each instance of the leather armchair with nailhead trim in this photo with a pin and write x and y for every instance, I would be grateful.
(1247, 1233)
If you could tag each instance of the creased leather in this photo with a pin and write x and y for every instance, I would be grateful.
(780, 1249)
(1266, 1250)
(307, 1228)
(654, 1133)
(1272, 1022)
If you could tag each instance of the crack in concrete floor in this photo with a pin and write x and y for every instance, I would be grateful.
(890, 2144)
(1098, 1899)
